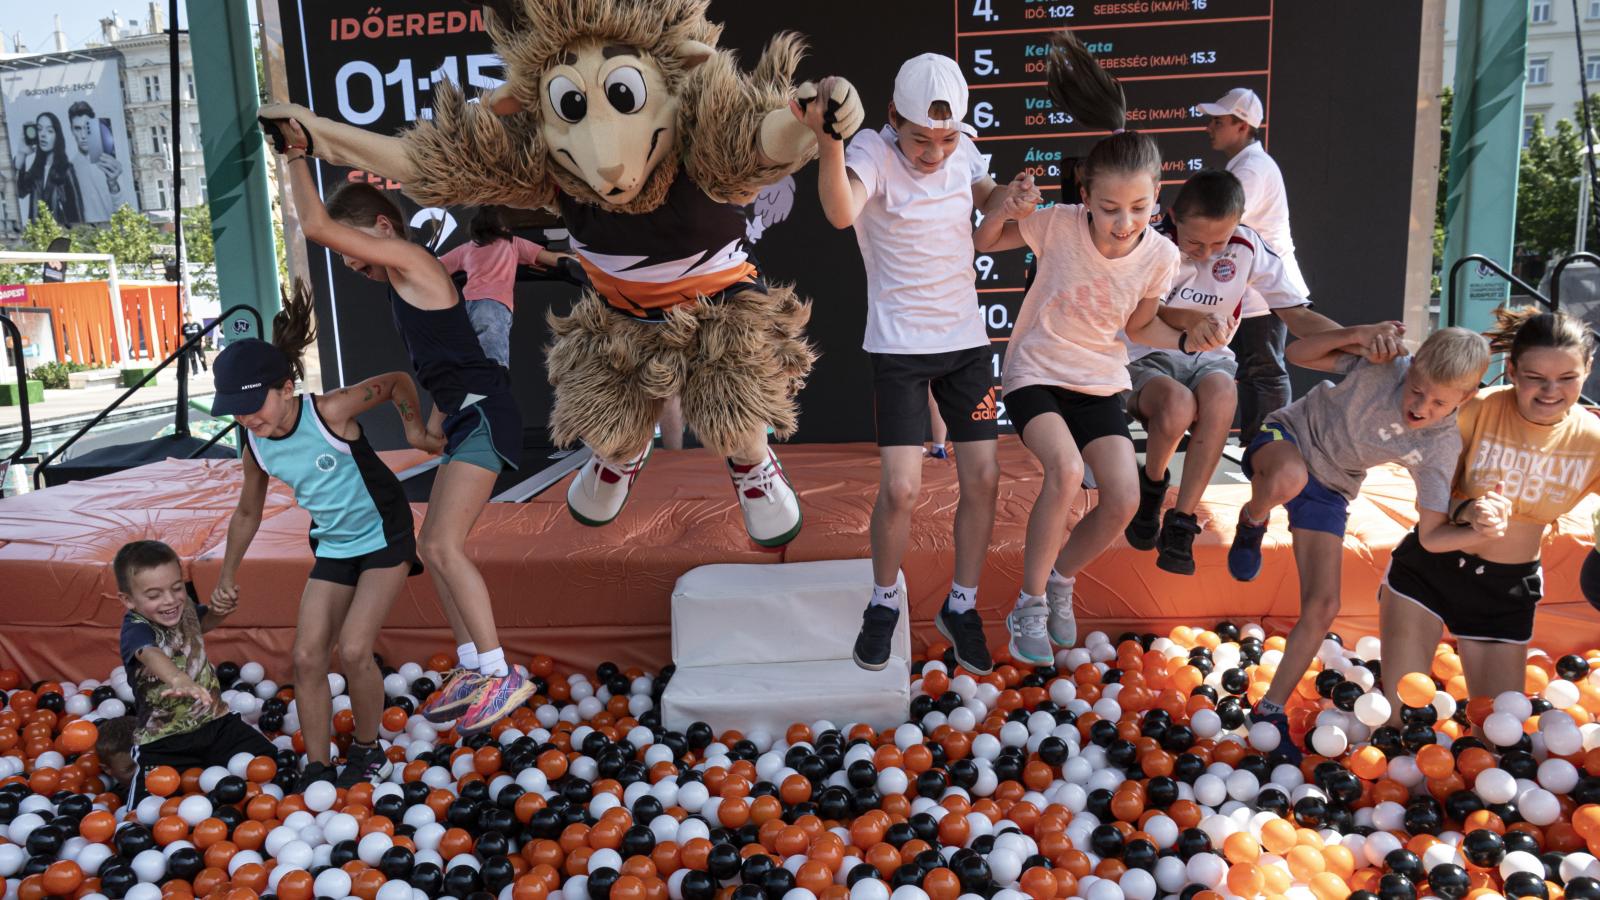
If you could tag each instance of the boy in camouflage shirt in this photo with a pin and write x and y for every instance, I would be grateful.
(180, 718)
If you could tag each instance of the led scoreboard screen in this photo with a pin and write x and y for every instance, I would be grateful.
(1338, 80)
(1168, 54)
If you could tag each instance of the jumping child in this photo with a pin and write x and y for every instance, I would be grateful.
(490, 259)
(1229, 273)
(1101, 270)
(1312, 456)
(910, 190)
(361, 529)
(472, 407)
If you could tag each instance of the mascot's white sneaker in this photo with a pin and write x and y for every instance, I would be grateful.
(597, 494)
(771, 509)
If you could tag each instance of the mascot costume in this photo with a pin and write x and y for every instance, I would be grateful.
(626, 119)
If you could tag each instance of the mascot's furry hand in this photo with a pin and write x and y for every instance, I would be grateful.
(841, 112)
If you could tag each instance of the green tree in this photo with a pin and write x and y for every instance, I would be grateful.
(42, 230)
(1547, 189)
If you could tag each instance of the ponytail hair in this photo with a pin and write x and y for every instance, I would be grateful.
(1095, 98)
(295, 327)
(1525, 328)
(488, 225)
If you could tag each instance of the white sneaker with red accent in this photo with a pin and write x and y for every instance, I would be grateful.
(601, 487)
(771, 509)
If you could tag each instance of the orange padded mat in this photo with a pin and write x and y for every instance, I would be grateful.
(584, 595)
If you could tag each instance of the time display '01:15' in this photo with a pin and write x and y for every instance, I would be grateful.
(370, 86)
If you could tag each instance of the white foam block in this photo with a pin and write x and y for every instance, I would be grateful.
(793, 612)
(767, 646)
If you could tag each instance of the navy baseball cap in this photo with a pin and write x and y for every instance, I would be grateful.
(243, 373)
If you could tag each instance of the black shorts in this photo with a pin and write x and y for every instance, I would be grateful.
(1476, 599)
(963, 385)
(348, 571)
(212, 744)
(1088, 417)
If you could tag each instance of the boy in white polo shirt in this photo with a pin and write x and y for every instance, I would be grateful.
(1234, 129)
(910, 190)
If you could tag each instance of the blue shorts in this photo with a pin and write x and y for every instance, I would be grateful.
(1315, 508)
(476, 448)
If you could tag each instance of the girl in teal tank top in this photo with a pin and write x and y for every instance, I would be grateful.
(361, 525)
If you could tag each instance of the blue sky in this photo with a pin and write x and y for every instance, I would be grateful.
(80, 20)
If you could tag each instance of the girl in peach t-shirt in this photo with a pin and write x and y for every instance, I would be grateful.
(1102, 270)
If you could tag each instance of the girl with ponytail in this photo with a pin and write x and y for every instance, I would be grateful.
(1101, 270)
(361, 526)
(1530, 454)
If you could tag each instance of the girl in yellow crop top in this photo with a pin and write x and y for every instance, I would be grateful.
(1529, 455)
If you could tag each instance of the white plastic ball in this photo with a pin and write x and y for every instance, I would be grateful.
(195, 809)
(1502, 728)
(1372, 709)
(320, 796)
(333, 882)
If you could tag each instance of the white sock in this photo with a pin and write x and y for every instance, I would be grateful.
(962, 598)
(1024, 599)
(467, 654)
(886, 596)
(493, 663)
(1059, 580)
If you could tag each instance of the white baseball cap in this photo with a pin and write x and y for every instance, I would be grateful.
(925, 80)
(1241, 102)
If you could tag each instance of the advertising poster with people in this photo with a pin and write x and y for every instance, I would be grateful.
(68, 142)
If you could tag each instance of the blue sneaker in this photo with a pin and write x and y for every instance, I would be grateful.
(1286, 752)
(1244, 557)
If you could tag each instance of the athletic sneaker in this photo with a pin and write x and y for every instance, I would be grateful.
(453, 697)
(1175, 543)
(1030, 639)
(500, 697)
(312, 773)
(877, 633)
(965, 631)
(771, 509)
(1141, 532)
(367, 763)
(1244, 557)
(1286, 751)
(1063, 628)
(596, 495)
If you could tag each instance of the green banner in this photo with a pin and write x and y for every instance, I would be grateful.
(223, 48)
(1485, 149)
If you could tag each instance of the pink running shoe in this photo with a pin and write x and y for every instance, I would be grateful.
(453, 697)
(499, 698)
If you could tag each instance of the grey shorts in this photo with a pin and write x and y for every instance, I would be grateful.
(491, 319)
(1186, 369)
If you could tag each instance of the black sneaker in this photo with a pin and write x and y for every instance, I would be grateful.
(1141, 532)
(365, 763)
(877, 632)
(965, 631)
(1175, 543)
(314, 772)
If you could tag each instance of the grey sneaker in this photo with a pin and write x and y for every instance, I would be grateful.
(1030, 641)
(1063, 622)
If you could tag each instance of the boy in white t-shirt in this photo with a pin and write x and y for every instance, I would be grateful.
(909, 190)
(1227, 273)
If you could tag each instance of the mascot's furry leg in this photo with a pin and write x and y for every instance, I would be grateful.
(611, 375)
(749, 360)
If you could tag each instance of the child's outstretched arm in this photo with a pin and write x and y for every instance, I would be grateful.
(178, 684)
(842, 194)
(397, 254)
(1005, 207)
(242, 529)
(1324, 350)
(345, 404)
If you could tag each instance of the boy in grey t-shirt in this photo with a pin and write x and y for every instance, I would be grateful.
(1312, 456)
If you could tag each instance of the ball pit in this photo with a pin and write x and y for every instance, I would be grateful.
(1129, 770)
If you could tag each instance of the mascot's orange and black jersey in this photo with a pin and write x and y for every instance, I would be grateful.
(644, 264)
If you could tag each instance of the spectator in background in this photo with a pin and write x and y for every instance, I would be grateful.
(1263, 379)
